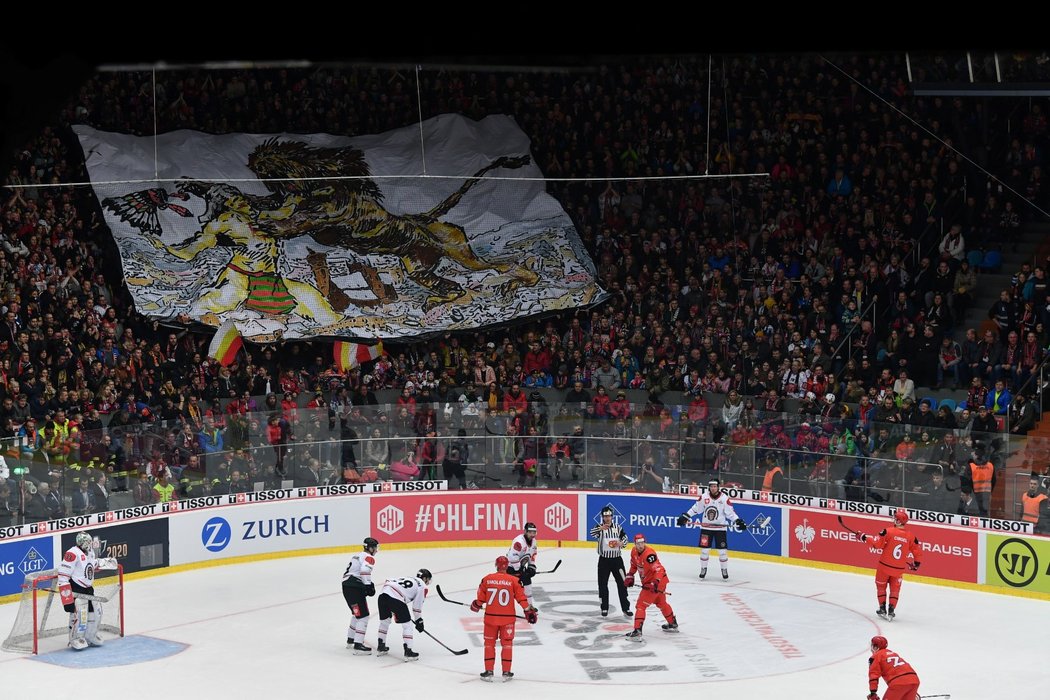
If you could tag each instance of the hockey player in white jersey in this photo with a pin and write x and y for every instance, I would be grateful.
(76, 576)
(357, 588)
(522, 558)
(716, 512)
(395, 598)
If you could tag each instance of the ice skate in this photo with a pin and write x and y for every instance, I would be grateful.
(361, 650)
(881, 612)
(890, 614)
(508, 676)
(486, 676)
(411, 655)
(703, 572)
(635, 635)
(382, 649)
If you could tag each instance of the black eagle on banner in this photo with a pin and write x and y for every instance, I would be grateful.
(139, 209)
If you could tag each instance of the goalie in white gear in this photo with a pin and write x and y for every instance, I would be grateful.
(76, 576)
(716, 512)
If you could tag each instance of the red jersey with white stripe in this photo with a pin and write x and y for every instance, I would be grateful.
(890, 666)
(411, 591)
(498, 592)
(896, 544)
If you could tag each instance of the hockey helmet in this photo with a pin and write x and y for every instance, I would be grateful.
(425, 575)
(639, 538)
(371, 545)
(502, 563)
(530, 529)
(878, 642)
(900, 517)
(84, 540)
(607, 511)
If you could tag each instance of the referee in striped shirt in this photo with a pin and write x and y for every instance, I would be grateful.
(611, 540)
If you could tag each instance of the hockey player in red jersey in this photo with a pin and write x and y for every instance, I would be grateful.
(896, 544)
(902, 683)
(497, 593)
(654, 587)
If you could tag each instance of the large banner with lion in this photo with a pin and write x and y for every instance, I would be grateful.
(384, 236)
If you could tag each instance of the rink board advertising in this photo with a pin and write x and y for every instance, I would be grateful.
(21, 558)
(137, 546)
(656, 518)
(265, 528)
(818, 536)
(452, 515)
(1020, 563)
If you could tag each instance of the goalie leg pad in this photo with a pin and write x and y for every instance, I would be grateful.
(94, 618)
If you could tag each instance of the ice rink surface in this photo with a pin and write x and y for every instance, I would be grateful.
(277, 629)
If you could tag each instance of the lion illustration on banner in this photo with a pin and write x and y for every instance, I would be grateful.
(326, 194)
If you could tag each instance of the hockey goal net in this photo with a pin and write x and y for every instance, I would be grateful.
(40, 613)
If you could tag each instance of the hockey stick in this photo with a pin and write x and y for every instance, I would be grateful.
(456, 602)
(461, 652)
(848, 528)
(484, 474)
(552, 570)
(942, 695)
(82, 596)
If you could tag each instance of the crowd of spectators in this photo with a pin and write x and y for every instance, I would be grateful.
(841, 281)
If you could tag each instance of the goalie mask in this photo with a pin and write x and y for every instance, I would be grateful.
(85, 541)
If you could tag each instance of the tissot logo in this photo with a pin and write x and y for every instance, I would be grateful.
(216, 534)
(1016, 562)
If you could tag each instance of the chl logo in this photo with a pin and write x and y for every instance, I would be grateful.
(216, 534)
(390, 519)
(557, 517)
(1016, 562)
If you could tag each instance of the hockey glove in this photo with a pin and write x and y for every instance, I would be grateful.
(914, 565)
(873, 695)
(66, 592)
(629, 581)
(739, 524)
(419, 625)
(475, 606)
(653, 586)
(529, 571)
(531, 615)
(863, 538)
(682, 519)
(370, 590)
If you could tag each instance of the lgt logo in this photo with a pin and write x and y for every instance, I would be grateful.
(390, 519)
(557, 517)
(618, 518)
(32, 562)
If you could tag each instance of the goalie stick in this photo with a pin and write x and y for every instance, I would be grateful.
(82, 596)
(441, 595)
(460, 652)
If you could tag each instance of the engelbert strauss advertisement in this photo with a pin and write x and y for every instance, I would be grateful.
(656, 518)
